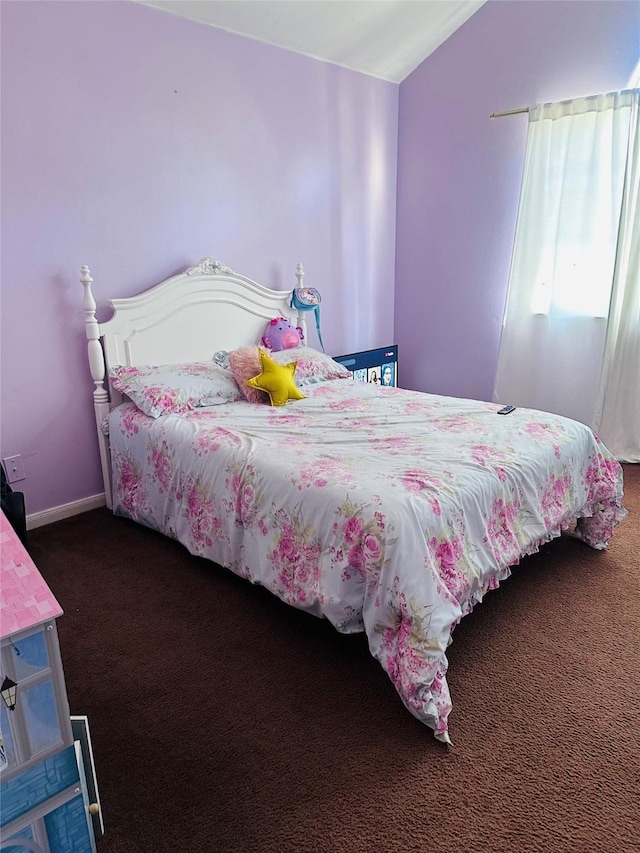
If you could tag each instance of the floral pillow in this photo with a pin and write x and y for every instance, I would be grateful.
(313, 365)
(172, 388)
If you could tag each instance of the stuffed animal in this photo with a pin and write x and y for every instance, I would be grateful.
(281, 334)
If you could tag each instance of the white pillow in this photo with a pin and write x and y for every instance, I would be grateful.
(313, 366)
(170, 388)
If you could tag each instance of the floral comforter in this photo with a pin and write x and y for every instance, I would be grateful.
(383, 510)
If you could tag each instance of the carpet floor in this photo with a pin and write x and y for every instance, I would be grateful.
(224, 721)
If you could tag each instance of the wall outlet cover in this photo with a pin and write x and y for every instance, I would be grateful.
(14, 468)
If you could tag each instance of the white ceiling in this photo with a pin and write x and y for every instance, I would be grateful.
(384, 38)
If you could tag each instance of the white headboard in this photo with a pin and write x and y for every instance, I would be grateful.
(188, 317)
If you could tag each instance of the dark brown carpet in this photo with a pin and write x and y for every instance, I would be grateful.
(222, 720)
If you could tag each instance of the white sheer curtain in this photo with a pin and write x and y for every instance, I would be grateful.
(569, 332)
(617, 412)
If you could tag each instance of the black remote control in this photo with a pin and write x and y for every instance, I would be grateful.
(506, 410)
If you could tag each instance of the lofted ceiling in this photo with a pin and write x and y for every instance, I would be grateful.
(383, 38)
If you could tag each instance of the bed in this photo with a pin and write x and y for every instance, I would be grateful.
(383, 510)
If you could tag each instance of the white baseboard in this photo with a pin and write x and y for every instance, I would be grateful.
(57, 513)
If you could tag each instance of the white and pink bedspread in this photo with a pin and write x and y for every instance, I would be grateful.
(383, 510)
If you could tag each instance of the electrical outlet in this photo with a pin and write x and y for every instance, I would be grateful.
(14, 468)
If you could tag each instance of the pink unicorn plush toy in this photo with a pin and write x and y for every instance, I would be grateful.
(281, 334)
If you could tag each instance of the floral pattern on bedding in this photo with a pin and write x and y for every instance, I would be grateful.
(383, 510)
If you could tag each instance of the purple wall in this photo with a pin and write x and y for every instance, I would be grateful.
(138, 142)
(459, 172)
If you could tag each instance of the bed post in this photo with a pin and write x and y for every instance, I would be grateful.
(302, 320)
(96, 363)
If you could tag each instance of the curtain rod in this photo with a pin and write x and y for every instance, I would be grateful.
(509, 112)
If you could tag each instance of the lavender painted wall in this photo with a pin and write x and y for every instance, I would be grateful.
(459, 171)
(137, 142)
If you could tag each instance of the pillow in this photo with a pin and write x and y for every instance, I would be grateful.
(245, 364)
(277, 380)
(313, 365)
(161, 390)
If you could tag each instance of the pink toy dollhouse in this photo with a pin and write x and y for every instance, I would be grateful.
(45, 787)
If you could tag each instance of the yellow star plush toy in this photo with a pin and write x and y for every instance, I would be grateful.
(277, 380)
